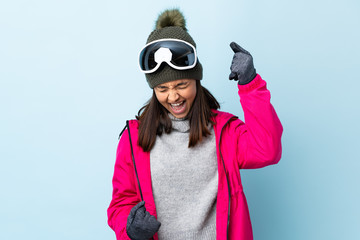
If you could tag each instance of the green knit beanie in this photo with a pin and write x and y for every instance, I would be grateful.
(171, 24)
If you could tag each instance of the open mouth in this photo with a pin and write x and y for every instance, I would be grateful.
(178, 108)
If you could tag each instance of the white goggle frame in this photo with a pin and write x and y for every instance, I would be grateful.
(164, 54)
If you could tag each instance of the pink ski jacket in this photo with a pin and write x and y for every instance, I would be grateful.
(253, 144)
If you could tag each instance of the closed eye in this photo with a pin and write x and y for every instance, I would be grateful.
(182, 85)
(161, 88)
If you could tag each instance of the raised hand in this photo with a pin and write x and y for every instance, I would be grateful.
(242, 66)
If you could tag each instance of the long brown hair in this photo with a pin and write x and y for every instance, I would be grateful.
(154, 119)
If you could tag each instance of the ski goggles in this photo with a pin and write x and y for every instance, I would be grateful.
(177, 53)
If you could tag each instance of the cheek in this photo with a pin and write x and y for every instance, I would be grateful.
(192, 94)
(161, 98)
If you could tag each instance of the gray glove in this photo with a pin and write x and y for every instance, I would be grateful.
(242, 66)
(141, 225)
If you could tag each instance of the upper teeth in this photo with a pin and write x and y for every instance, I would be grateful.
(176, 104)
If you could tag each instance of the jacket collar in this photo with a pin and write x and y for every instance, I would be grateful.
(220, 119)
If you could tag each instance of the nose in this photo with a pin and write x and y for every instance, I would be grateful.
(173, 96)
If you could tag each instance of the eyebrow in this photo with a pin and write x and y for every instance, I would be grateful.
(179, 84)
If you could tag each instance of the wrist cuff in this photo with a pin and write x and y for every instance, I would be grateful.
(251, 85)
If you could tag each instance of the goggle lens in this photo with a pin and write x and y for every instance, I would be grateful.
(178, 54)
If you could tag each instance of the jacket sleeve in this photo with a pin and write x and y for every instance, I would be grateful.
(259, 138)
(124, 195)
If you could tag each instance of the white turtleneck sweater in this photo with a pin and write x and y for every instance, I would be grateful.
(185, 183)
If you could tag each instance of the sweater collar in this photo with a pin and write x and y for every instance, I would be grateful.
(180, 124)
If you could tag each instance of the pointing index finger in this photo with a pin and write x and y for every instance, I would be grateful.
(236, 48)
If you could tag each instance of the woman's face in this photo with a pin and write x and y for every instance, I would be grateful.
(177, 96)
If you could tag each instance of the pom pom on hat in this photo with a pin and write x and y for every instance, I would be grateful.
(171, 24)
(171, 18)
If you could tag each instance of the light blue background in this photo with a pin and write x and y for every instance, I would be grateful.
(69, 79)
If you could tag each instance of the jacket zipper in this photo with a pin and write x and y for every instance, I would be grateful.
(227, 178)
(132, 153)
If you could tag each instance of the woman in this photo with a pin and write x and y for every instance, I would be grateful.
(177, 166)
